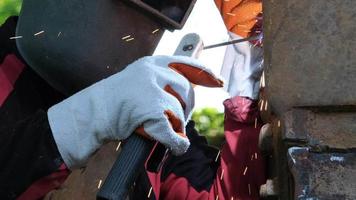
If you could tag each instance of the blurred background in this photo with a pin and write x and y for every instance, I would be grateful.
(208, 114)
(8, 8)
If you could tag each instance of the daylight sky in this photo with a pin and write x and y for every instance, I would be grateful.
(206, 21)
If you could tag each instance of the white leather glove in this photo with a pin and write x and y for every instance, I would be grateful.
(242, 69)
(153, 91)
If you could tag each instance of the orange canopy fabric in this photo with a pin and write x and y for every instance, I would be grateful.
(240, 16)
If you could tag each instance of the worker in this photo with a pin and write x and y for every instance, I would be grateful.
(44, 133)
(237, 170)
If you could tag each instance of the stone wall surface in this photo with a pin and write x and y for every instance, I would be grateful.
(310, 75)
(310, 52)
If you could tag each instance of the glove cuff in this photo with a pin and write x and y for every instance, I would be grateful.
(74, 145)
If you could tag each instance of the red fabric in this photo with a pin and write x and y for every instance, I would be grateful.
(241, 162)
(44, 185)
(10, 70)
(240, 157)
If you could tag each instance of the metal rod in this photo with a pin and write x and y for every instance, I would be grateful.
(233, 42)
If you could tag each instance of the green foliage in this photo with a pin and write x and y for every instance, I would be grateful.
(9, 8)
(210, 122)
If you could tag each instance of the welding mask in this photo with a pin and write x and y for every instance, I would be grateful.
(75, 43)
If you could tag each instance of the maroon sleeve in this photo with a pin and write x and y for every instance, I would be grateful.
(242, 168)
(29, 159)
(27, 154)
(235, 172)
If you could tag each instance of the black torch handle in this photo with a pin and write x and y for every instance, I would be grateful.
(125, 169)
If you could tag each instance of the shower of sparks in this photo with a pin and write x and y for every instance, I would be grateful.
(100, 182)
(126, 37)
(15, 37)
(222, 175)
(155, 31)
(245, 171)
(217, 156)
(118, 146)
(38, 33)
(256, 122)
(262, 102)
(128, 40)
(149, 193)
(266, 105)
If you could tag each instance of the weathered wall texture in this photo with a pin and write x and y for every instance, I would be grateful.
(83, 184)
(310, 63)
(310, 52)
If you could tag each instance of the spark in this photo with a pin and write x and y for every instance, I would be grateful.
(126, 37)
(222, 175)
(232, 198)
(279, 123)
(217, 197)
(262, 102)
(15, 37)
(231, 14)
(256, 122)
(118, 146)
(99, 185)
(266, 105)
(249, 189)
(38, 33)
(217, 156)
(59, 33)
(149, 193)
(245, 170)
(155, 31)
(252, 157)
(128, 40)
(256, 156)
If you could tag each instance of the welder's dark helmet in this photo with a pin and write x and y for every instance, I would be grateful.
(74, 43)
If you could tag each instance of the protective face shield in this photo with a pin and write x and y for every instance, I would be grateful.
(74, 43)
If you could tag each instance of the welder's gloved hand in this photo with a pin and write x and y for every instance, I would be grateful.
(153, 94)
